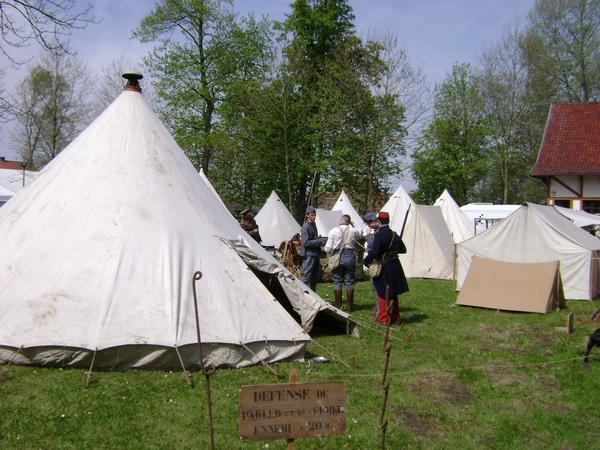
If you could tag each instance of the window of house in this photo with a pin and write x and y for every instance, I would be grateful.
(592, 206)
(563, 203)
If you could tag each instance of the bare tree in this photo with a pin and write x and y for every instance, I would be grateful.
(109, 84)
(50, 108)
(49, 22)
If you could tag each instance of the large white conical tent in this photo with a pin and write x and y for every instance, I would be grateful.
(458, 223)
(97, 256)
(275, 222)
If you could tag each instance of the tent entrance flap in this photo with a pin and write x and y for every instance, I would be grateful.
(526, 287)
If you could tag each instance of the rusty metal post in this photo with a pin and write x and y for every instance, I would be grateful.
(208, 370)
(387, 348)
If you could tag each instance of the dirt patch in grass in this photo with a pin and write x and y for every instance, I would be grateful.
(505, 377)
(506, 338)
(438, 387)
(419, 424)
(548, 383)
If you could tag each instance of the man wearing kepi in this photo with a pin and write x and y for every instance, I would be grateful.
(372, 226)
(387, 245)
(343, 236)
(310, 250)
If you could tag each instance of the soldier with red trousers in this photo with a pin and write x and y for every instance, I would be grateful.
(387, 245)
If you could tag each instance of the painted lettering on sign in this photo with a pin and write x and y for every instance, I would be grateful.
(291, 411)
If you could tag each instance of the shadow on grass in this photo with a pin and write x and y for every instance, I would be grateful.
(409, 317)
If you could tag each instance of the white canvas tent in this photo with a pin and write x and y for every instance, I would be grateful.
(579, 218)
(397, 206)
(97, 256)
(298, 297)
(511, 286)
(12, 181)
(275, 222)
(535, 233)
(343, 204)
(429, 245)
(326, 220)
(460, 226)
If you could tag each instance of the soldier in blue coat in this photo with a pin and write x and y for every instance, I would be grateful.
(387, 245)
(310, 250)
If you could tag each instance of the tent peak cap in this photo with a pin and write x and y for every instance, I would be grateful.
(132, 78)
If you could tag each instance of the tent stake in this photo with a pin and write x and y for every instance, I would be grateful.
(185, 374)
(208, 370)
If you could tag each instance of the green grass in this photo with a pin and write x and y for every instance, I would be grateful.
(461, 378)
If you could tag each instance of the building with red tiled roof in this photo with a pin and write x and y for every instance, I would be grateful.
(569, 159)
(15, 165)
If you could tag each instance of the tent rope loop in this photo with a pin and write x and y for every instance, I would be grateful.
(88, 374)
(5, 371)
(262, 361)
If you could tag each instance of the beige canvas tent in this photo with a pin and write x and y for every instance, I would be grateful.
(510, 286)
(535, 233)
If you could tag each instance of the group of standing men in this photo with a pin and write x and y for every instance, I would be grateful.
(383, 245)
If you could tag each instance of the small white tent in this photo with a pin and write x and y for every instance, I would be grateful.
(97, 256)
(275, 222)
(429, 245)
(326, 220)
(460, 226)
(343, 204)
(397, 206)
(535, 233)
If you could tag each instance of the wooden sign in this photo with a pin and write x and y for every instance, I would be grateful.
(289, 411)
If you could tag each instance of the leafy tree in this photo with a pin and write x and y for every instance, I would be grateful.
(452, 151)
(196, 70)
(365, 117)
(266, 121)
(316, 30)
(49, 22)
(562, 47)
(50, 108)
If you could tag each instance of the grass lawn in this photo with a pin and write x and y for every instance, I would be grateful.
(461, 378)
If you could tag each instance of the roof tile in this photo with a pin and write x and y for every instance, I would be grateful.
(571, 143)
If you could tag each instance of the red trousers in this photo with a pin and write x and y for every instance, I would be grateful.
(383, 314)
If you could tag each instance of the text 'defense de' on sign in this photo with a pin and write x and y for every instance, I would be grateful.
(289, 411)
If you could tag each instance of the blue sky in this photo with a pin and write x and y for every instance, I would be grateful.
(436, 33)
